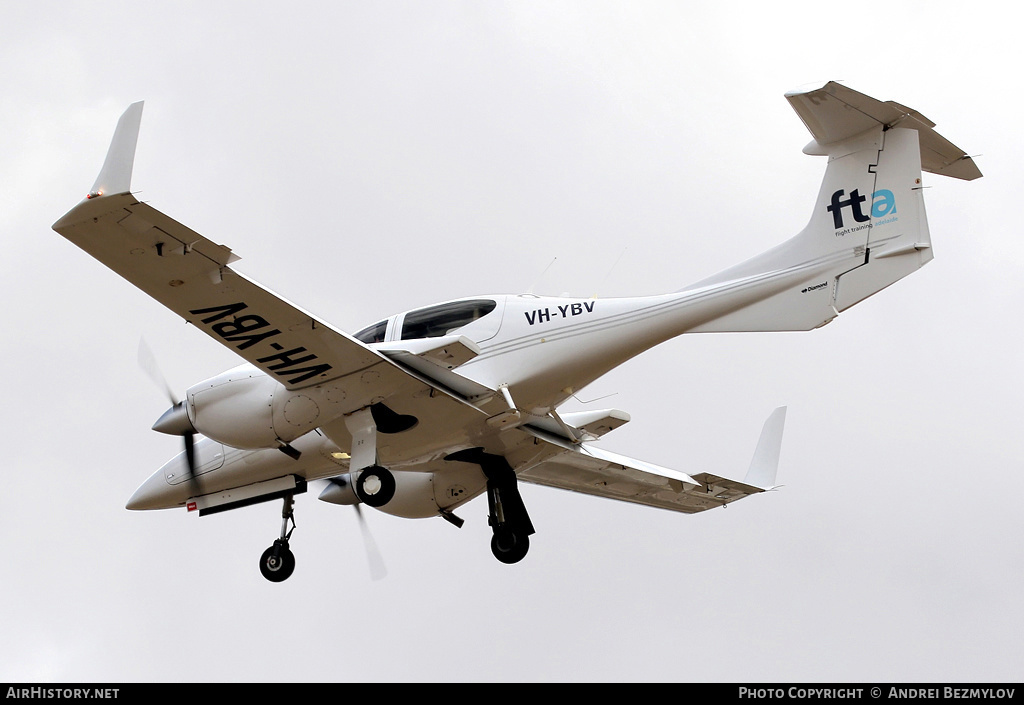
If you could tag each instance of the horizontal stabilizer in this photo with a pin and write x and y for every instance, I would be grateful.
(834, 113)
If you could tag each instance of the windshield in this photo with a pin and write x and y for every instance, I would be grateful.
(372, 334)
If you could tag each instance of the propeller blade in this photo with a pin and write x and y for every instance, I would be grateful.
(377, 569)
(147, 361)
(190, 459)
(190, 453)
(175, 420)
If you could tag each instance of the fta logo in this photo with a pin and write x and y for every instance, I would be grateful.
(883, 203)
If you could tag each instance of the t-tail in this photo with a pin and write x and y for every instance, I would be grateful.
(868, 228)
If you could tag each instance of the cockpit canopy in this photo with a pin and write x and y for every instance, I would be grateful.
(434, 321)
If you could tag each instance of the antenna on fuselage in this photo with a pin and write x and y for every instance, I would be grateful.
(538, 280)
(611, 269)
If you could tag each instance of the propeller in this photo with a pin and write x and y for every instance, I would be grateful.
(174, 421)
(339, 490)
(373, 556)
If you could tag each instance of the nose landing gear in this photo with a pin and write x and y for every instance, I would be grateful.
(278, 562)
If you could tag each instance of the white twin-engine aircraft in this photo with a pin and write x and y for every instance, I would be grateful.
(418, 414)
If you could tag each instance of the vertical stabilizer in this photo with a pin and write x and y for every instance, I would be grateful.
(868, 228)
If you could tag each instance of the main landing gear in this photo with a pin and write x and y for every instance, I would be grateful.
(278, 562)
(507, 515)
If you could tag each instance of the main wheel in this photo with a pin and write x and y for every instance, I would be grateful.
(375, 486)
(277, 562)
(509, 547)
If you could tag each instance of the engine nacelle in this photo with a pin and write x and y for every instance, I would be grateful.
(418, 495)
(245, 408)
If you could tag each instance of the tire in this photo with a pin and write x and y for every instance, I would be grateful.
(277, 563)
(509, 547)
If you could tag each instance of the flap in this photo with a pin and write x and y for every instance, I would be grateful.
(592, 424)
(436, 359)
(581, 467)
(448, 351)
(603, 474)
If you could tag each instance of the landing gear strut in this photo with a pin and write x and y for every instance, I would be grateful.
(278, 562)
(374, 484)
(507, 515)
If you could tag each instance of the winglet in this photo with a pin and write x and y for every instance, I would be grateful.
(765, 463)
(116, 175)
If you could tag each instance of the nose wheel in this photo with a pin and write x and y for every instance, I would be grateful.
(278, 562)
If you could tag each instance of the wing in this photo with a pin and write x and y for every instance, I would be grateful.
(581, 467)
(191, 276)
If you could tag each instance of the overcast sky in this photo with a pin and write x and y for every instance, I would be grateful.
(367, 158)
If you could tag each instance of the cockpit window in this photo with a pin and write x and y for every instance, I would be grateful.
(372, 334)
(441, 320)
